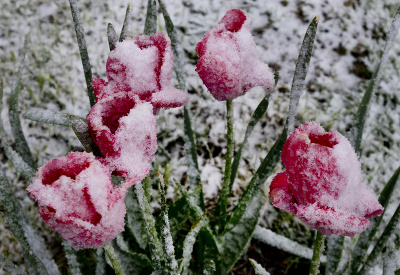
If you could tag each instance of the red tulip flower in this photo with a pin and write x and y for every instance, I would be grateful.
(229, 64)
(77, 199)
(124, 129)
(323, 184)
(142, 66)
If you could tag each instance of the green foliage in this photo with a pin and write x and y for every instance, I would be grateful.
(125, 26)
(80, 36)
(259, 270)
(112, 36)
(150, 25)
(13, 112)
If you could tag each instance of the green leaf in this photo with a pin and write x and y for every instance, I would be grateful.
(49, 116)
(259, 113)
(156, 249)
(259, 270)
(13, 113)
(80, 35)
(170, 266)
(82, 132)
(131, 262)
(233, 243)
(150, 25)
(112, 37)
(178, 214)
(389, 261)
(380, 244)
(72, 259)
(35, 253)
(301, 70)
(125, 26)
(271, 238)
(365, 238)
(334, 253)
(191, 152)
(22, 167)
(10, 267)
(362, 113)
(135, 222)
(178, 67)
(188, 244)
(101, 262)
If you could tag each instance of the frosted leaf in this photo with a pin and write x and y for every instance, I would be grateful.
(324, 185)
(258, 268)
(229, 64)
(86, 212)
(269, 237)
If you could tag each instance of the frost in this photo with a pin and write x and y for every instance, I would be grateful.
(269, 237)
(258, 268)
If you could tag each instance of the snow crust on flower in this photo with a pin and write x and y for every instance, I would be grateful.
(76, 198)
(323, 184)
(229, 64)
(142, 65)
(124, 129)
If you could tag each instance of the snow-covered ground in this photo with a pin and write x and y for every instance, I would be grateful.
(349, 43)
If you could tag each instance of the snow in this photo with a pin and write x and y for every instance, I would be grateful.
(332, 90)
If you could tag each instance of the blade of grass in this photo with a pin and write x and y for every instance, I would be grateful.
(35, 253)
(10, 267)
(125, 26)
(112, 37)
(380, 244)
(22, 167)
(72, 259)
(258, 269)
(156, 250)
(362, 113)
(49, 116)
(188, 243)
(80, 35)
(13, 112)
(150, 25)
(282, 243)
(365, 238)
(171, 265)
(301, 70)
(178, 67)
(82, 132)
(259, 113)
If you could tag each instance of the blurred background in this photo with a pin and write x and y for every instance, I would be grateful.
(348, 47)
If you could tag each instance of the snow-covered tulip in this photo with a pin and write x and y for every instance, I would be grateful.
(143, 66)
(124, 129)
(229, 64)
(323, 184)
(76, 198)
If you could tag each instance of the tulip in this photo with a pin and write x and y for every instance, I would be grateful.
(323, 184)
(229, 64)
(142, 66)
(124, 129)
(76, 198)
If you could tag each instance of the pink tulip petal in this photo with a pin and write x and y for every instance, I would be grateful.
(330, 221)
(229, 64)
(76, 198)
(281, 195)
